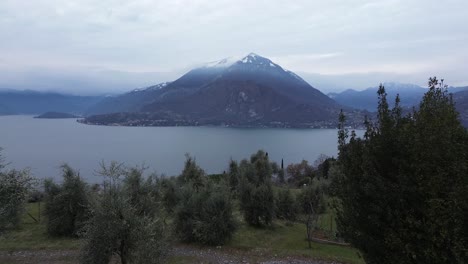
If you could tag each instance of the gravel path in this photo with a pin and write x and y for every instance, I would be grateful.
(197, 254)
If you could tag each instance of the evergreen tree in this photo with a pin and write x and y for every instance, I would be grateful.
(403, 188)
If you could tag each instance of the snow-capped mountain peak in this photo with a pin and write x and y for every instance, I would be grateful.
(224, 63)
(251, 58)
(151, 88)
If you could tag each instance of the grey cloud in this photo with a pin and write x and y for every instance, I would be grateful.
(326, 38)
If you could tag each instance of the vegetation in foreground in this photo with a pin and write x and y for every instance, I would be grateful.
(403, 189)
(399, 195)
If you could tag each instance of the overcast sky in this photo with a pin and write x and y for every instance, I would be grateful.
(89, 46)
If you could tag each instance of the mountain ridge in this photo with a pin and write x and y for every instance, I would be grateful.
(240, 92)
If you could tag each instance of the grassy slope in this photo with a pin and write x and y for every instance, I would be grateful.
(281, 240)
(31, 235)
(290, 240)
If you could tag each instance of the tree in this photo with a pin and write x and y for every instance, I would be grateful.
(233, 175)
(256, 192)
(192, 173)
(66, 204)
(14, 188)
(300, 173)
(257, 204)
(312, 204)
(205, 216)
(169, 194)
(125, 220)
(403, 188)
(323, 164)
(286, 205)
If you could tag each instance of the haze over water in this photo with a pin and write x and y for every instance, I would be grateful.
(44, 144)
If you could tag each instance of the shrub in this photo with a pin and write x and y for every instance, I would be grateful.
(125, 220)
(205, 216)
(66, 204)
(286, 206)
(257, 204)
(14, 188)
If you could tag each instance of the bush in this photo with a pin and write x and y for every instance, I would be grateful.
(205, 216)
(169, 194)
(257, 204)
(255, 190)
(311, 200)
(14, 188)
(125, 220)
(117, 228)
(66, 204)
(286, 206)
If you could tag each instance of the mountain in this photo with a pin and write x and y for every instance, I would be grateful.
(32, 102)
(250, 91)
(56, 115)
(127, 102)
(410, 95)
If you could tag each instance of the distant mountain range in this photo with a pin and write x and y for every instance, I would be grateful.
(32, 102)
(410, 95)
(250, 91)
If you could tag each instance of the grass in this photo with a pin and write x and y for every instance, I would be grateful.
(282, 240)
(290, 240)
(32, 236)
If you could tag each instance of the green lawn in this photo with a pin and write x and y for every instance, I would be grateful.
(282, 239)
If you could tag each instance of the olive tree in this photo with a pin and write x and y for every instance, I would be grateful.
(14, 188)
(257, 199)
(67, 206)
(125, 221)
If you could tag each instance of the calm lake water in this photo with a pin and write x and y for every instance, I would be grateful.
(44, 144)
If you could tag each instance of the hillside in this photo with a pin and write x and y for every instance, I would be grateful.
(250, 91)
(56, 115)
(410, 95)
(32, 102)
(367, 99)
(127, 102)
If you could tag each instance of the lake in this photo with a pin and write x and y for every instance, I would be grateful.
(44, 144)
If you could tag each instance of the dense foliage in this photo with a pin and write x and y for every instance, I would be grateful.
(14, 188)
(286, 205)
(403, 188)
(256, 191)
(204, 212)
(125, 220)
(205, 216)
(66, 204)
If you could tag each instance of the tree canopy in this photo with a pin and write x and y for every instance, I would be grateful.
(403, 187)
